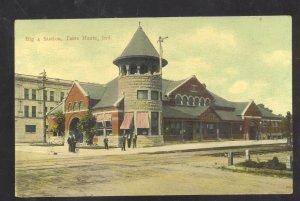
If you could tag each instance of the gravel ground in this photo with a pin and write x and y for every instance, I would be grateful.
(184, 173)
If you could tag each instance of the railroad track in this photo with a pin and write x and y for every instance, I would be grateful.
(146, 158)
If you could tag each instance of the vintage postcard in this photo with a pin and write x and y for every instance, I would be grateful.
(153, 106)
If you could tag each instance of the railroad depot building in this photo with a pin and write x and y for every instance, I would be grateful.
(140, 101)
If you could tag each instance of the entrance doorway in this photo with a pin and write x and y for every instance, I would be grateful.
(187, 127)
(252, 131)
(73, 130)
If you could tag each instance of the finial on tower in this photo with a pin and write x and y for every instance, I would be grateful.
(140, 25)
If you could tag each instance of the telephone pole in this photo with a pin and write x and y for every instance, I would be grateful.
(44, 79)
(160, 40)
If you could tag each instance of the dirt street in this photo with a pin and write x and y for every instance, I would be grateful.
(185, 173)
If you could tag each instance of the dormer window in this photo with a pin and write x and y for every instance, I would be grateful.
(194, 88)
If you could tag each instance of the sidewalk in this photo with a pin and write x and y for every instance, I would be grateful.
(63, 150)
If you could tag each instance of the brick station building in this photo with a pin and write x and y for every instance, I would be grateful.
(139, 101)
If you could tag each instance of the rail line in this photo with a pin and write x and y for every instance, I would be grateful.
(132, 159)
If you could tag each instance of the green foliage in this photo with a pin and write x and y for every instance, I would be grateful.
(60, 123)
(270, 164)
(86, 126)
(287, 125)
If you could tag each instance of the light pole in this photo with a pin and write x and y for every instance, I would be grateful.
(160, 40)
(44, 79)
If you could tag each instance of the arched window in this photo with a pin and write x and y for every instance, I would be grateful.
(178, 100)
(191, 101)
(196, 101)
(75, 106)
(80, 105)
(201, 101)
(184, 100)
(207, 102)
(70, 107)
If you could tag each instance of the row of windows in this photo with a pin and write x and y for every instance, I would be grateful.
(191, 101)
(273, 123)
(75, 107)
(136, 70)
(34, 92)
(143, 95)
(33, 110)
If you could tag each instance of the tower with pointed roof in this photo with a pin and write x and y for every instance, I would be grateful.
(140, 83)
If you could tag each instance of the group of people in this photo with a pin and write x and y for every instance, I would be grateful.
(129, 138)
(72, 143)
(126, 137)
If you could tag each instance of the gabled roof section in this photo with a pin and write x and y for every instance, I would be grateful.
(228, 115)
(240, 107)
(94, 91)
(184, 112)
(110, 95)
(267, 113)
(219, 101)
(169, 85)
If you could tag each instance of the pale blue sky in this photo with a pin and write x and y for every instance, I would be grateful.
(238, 58)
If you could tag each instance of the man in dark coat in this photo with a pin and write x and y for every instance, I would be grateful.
(69, 142)
(105, 143)
(134, 141)
(123, 142)
(73, 144)
(129, 140)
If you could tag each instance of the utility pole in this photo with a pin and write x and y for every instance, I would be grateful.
(44, 79)
(160, 40)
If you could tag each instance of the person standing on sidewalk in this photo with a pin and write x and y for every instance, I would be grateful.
(73, 144)
(134, 141)
(69, 143)
(123, 142)
(105, 143)
(129, 138)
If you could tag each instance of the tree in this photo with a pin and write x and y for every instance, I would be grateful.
(86, 126)
(288, 125)
(60, 123)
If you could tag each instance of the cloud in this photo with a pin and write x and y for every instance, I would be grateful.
(211, 36)
(238, 87)
(278, 57)
(279, 105)
(185, 68)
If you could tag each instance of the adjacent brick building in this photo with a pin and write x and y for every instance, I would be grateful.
(139, 101)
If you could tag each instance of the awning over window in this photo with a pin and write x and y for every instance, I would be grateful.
(142, 120)
(99, 117)
(107, 117)
(128, 121)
